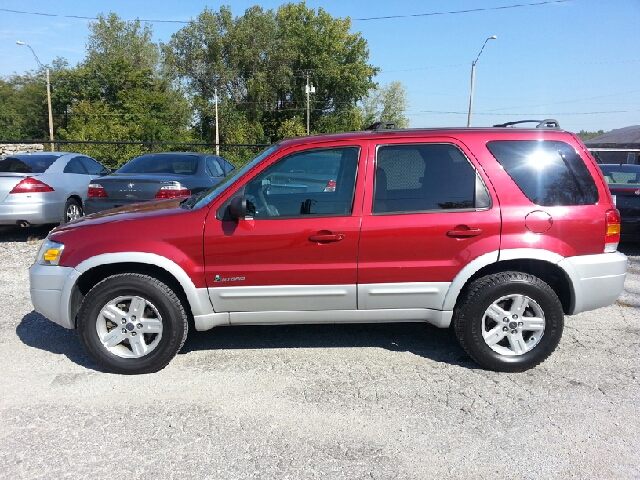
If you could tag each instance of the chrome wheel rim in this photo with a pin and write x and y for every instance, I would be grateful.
(129, 327)
(513, 325)
(73, 212)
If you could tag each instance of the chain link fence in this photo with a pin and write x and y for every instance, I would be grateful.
(114, 154)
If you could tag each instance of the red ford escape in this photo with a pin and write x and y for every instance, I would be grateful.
(500, 232)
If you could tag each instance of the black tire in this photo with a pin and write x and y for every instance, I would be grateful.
(140, 316)
(72, 210)
(523, 344)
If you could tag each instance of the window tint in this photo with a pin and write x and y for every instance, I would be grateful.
(621, 174)
(175, 164)
(27, 163)
(74, 166)
(213, 168)
(317, 182)
(548, 173)
(93, 167)
(412, 178)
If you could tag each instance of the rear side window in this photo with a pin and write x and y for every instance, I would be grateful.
(549, 173)
(426, 177)
(74, 166)
(27, 164)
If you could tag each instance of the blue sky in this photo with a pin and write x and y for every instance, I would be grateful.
(577, 61)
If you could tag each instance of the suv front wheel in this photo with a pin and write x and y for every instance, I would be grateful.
(132, 323)
(509, 321)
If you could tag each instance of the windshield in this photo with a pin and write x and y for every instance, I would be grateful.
(203, 198)
(618, 175)
(27, 164)
(174, 164)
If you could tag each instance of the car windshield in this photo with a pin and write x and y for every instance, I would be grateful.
(203, 198)
(27, 164)
(173, 164)
(619, 175)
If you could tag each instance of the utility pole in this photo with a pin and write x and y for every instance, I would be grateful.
(215, 94)
(48, 92)
(308, 90)
(473, 79)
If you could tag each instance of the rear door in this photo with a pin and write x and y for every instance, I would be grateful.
(427, 214)
(299, 250)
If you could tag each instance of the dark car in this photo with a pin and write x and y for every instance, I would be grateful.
(157, 176)
(624, 183)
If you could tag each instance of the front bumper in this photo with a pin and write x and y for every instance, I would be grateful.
(598, 280)
(50, 288)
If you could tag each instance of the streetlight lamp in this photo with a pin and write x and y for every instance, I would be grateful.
(48, 92)
(473, 78)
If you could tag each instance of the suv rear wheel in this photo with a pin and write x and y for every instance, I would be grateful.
(509, 322)
(132, 323)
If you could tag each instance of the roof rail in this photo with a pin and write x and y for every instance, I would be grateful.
(382, 126)
(548, 123)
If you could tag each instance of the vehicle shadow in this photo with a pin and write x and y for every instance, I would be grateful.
(38, 332)
(10, 233)
(421, 339)
(427, 341)
(630, 248)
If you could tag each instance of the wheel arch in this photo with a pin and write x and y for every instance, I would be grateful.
(539, 263)
(98, 268)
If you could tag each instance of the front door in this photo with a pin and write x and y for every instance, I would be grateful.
(297, 248)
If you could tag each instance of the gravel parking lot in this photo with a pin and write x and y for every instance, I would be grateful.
(399, 401)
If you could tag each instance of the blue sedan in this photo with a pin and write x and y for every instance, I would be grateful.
(157, 176)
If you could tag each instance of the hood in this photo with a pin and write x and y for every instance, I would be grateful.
(149, 209)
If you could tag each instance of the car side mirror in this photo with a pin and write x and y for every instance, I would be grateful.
(238, 208)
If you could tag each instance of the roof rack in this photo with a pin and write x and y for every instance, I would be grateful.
(548, 123)
(382, 126)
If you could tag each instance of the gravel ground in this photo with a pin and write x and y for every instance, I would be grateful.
(398, 401)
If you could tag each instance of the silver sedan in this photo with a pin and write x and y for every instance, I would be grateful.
(45, 187)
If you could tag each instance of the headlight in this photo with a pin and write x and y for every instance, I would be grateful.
(49, 253)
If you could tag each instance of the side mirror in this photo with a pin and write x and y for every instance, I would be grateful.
(238, 207)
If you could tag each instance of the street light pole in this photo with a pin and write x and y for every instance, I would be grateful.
(48, 92)
(308, 89)
(473, 79)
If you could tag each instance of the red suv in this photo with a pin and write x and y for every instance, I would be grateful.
(500, 232)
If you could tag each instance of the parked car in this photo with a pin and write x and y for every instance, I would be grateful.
(157, 176)
(498, 231)
(45, 187)
(624, 183)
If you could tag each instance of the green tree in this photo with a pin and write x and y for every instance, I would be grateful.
(23, 107)
(119, 93)
(585, 135)
(259, 63)
(386, 104)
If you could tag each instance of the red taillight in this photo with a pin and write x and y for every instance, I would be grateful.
(96, 190)
(31, 185)
(612, 235)
(173, 191)
(331, 186)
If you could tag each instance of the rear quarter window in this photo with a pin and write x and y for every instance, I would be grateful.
(549, 173)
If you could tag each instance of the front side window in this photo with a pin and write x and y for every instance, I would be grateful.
(549, 173)
(426, 177)
(318, 182)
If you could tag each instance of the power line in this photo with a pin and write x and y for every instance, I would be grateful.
(430, 14)
(471, 10)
